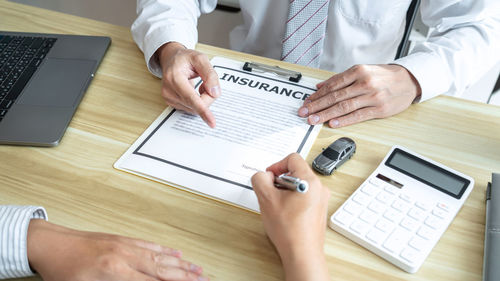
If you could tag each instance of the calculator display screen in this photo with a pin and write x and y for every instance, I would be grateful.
(427, 173)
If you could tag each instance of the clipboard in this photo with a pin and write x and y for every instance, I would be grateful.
(291, 75)
(266, 130)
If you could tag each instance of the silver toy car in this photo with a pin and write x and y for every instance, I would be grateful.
(334, 156)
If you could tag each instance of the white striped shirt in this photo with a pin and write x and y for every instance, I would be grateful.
(14, 222)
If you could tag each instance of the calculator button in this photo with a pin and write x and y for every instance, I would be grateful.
(417, 214)
(360, 227)
(368, 216)
(375, 182)
(409, 255)
(439, 213)
(344, 218)
(391, 189)
(406, 198)
(397, 240)
(370, 189)
(384, 225)
(423, 206)
(418, 243)
(393, 215)
(400, 206)
(443, 207)
(353, 208)
(361, 199)
(425, 233)
(376, 207)
(433, 222)
(376, 236)
(384, 197)
(409, 224)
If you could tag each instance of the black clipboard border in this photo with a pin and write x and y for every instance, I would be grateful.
(136, 151)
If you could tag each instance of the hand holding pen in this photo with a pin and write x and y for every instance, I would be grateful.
(285, 181)
(294, 221)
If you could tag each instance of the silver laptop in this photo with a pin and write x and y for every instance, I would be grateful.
(43, 78)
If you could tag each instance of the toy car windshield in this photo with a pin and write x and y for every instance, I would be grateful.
(331, 154)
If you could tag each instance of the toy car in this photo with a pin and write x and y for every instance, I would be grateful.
(334, 156)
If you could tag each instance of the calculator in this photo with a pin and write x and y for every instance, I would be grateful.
(402, 209)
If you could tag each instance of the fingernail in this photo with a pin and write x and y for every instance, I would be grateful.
(215, 91)
(303, 111)
(307, 101)
(195, 268)
(314, 119)
(201, 278)
(334, 123)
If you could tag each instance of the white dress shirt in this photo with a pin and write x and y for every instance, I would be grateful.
(463, 45)
(14, 222)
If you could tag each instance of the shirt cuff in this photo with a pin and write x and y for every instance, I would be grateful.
(432, 83)
(14, 222)
(160, 36)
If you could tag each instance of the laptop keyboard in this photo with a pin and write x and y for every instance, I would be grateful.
(20, 56)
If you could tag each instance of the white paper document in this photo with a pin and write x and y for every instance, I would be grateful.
(256, 125)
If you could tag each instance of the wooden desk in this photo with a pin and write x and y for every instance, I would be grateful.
(77, 184)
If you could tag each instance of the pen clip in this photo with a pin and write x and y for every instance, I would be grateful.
(291, 75)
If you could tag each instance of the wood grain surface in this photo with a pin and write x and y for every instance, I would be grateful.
(78, 186)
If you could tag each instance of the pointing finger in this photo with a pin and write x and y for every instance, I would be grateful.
(207, 73)
(194, 101)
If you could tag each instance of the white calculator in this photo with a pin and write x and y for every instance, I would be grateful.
(401, 210)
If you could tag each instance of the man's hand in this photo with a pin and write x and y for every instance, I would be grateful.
(361, 93)
(61, 254)
(179, 66)
(295, 222)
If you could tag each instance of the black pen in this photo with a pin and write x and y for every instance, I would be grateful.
(292, 183)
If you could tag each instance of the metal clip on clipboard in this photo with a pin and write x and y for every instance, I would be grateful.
(291, 75)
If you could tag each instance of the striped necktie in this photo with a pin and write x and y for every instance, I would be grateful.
(305, 32)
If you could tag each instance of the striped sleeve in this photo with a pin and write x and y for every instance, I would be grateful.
(14, 222)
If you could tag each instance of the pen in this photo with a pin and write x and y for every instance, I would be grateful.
(292, 183)
(491, 270)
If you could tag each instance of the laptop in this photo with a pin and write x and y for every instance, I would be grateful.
(43, 78)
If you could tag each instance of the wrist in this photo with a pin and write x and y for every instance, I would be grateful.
(41, 235)
(305, 264)
(414, 85)
(299, 255)
(35, 241)
(167, 51)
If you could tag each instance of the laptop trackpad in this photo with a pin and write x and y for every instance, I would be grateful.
(58, 82)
